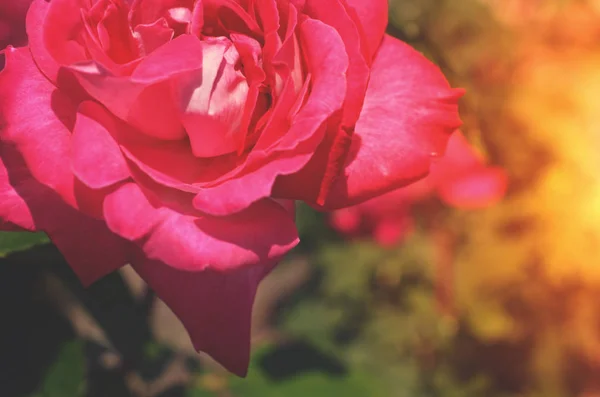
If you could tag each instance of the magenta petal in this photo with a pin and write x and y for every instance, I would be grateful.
(373, 16)
(145, 99)
(53, 47)
(212, 102)
(34, 118)
(215, 307)
(12, 23)
(334, 14)
(89, 247)
(14, 188)
(327, 62)
(263, 232)
(36, 181)
(237, 194)
(96, 158)
(154, 35)
(408, 115)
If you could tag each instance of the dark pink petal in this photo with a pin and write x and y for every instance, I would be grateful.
(327, 62)
(172, 163)
(239, 193)
(12, 23)
(152, 36)
(215, 307)
(373, 16)
(250, 54)
(52, 27)
(263, 232)
(35, 174)
(115, 35)
(96, 158)
(407, 118)
(89, 247)
(145, 12)
(222, 17)
(334, 14)
(13, 207)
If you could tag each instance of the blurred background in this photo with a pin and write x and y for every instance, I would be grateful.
(427, 295)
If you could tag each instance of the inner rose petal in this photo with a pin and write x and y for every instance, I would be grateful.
(213, 101)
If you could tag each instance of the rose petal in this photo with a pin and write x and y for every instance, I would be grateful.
(12, 23)
(89, 247)
(153, 36)
(96, 158)
(34, 118)
(53, 47)
(35, 179)
(261, 233)
(327, 62)
(145, 98)
(212, 102)
(144, 12)
(215, 307)
(373, 15)
(407, 118)
(334, 14)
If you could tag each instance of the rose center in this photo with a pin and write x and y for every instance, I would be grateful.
(214, 100)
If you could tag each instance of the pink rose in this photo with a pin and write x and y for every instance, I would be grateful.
(175, 135)
(459, 178)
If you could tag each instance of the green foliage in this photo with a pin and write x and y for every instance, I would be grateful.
(66, 377)
(19, 241)
(258, 384)
(200, 392)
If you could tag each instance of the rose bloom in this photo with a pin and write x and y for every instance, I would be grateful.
(176, 135)
(460, 179)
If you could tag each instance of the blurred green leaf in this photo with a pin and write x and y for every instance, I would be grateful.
(354, 384)
(200, 392)
(314, 321)
(66, 377)
(20, 241)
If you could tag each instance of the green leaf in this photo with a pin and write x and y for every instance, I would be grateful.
(257, 384)
(19, 241)
(200, 392)
(66, 377)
